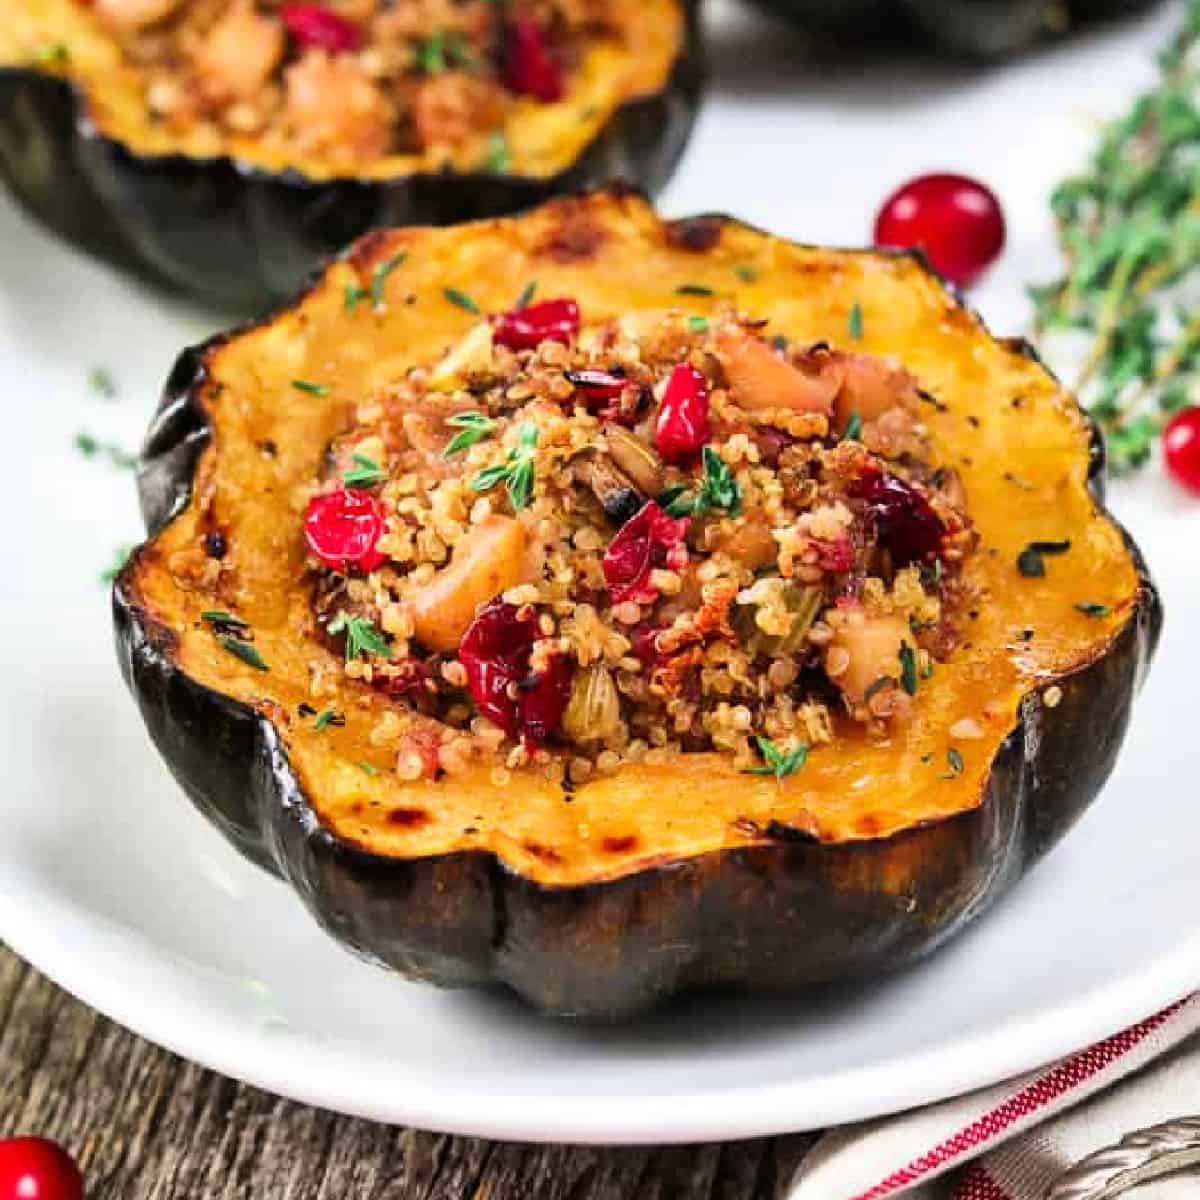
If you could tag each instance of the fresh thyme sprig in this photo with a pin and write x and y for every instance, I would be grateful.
(515, 472)
(362, 637)
(1130, 230)
(779, 763)
(718, 489)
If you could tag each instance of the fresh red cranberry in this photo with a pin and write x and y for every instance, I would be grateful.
(550, 321)
(905, 522)
(321, 28)
(954, 219)
(530, 67)
(495, 654)
(410, 677)
(682, 427)
(343, 528)
(647, 540)
(1181, 448)
(33, 1168)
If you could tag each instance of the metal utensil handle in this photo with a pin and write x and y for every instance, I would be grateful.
(1136, 1158)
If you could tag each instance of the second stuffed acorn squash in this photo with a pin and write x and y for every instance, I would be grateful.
(227, 147)
(609, 607)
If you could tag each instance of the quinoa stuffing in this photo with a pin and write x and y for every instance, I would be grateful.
(571, 545)
(354, 80)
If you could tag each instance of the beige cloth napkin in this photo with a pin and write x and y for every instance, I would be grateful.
(1011, 1141)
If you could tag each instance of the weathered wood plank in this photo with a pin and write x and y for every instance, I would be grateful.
(147, 1126)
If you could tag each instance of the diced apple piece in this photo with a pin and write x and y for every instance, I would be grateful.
(870, 387)
(862, 651)
(488, 559)
(761, 379)
(469, 357)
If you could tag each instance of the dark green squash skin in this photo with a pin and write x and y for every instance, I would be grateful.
(768, 917)
(245, 238)
(982, 29)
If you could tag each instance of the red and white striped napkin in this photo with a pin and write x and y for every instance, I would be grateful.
(1010, 1141)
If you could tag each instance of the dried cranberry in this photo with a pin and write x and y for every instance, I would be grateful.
(550, 321)
(495, 654)
(530, 67)
(1181, 448)
(409, 677)
(954, 219)
(33, 1168)
(543, 699)
(343, 528)
(650, 539)
(321, 28)
(610, 394)
(837, 557)
(645, 644)
(682, 427)
(905, 523)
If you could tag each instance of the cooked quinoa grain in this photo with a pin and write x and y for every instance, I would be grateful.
(656, 539)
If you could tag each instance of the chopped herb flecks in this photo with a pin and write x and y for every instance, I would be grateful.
(91, 447)
(379, 278)
(854, 323)
(697, 324)
(328, 716)
(779, 763)
(242, 649)
(461, 299)
(908, 669)
(101, 382)
(718, 489)
(954, 760)
(218, 618)
(365, 473)
(516, 472)
(746, 273)
(367, 768)
(472, 427)
(362, 637)
(1030, 561)
(497, 157)
(853, 428)
(1091, 609)
(312, 389)
(526, 295)
(693, 289)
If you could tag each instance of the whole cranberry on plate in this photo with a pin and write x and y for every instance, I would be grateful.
(956, 220)
(1181, 448)
(34, 1168)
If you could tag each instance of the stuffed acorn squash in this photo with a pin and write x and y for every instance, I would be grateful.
(228, 145)
(609, 606)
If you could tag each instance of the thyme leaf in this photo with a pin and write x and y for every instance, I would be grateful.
(777, 762)
(312, 389)
(854, 322)
(244, 650)
(365, 473)
(516, 472)
(461, 299)
(472, 426)
(362, 638)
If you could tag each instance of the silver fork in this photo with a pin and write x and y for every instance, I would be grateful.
(1137, 1158)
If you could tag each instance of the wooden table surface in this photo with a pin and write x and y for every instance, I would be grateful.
(145, 1125)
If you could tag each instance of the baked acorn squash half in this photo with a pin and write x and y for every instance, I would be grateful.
(981, 29)
(227, 147)
(618, 606)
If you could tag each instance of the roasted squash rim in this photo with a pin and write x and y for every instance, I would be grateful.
(688, 59)
(189, 376)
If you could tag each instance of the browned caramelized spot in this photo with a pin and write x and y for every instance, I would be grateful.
(543, 853)
(695, 233)
(409, 818)
(619, 845)
(576, 239)
(869, 825)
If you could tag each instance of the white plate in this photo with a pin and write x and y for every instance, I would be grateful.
(115, 887)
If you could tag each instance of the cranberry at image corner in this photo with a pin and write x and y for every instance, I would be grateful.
(1181, 448)
(957, 221)
(34, 1168)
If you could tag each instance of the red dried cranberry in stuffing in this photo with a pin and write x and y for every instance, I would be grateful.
(905, 523)
(682, 427)
(343, 528)
(321, 28)
(530, 67)
(525, 328)
(649, 539)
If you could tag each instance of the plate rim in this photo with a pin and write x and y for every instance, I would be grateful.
(319, 1077)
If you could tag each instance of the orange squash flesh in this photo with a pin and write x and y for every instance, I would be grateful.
(1020, 443)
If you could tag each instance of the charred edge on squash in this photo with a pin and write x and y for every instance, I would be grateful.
(265, 812)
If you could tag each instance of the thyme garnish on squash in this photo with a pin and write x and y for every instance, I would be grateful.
(1130, 230)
